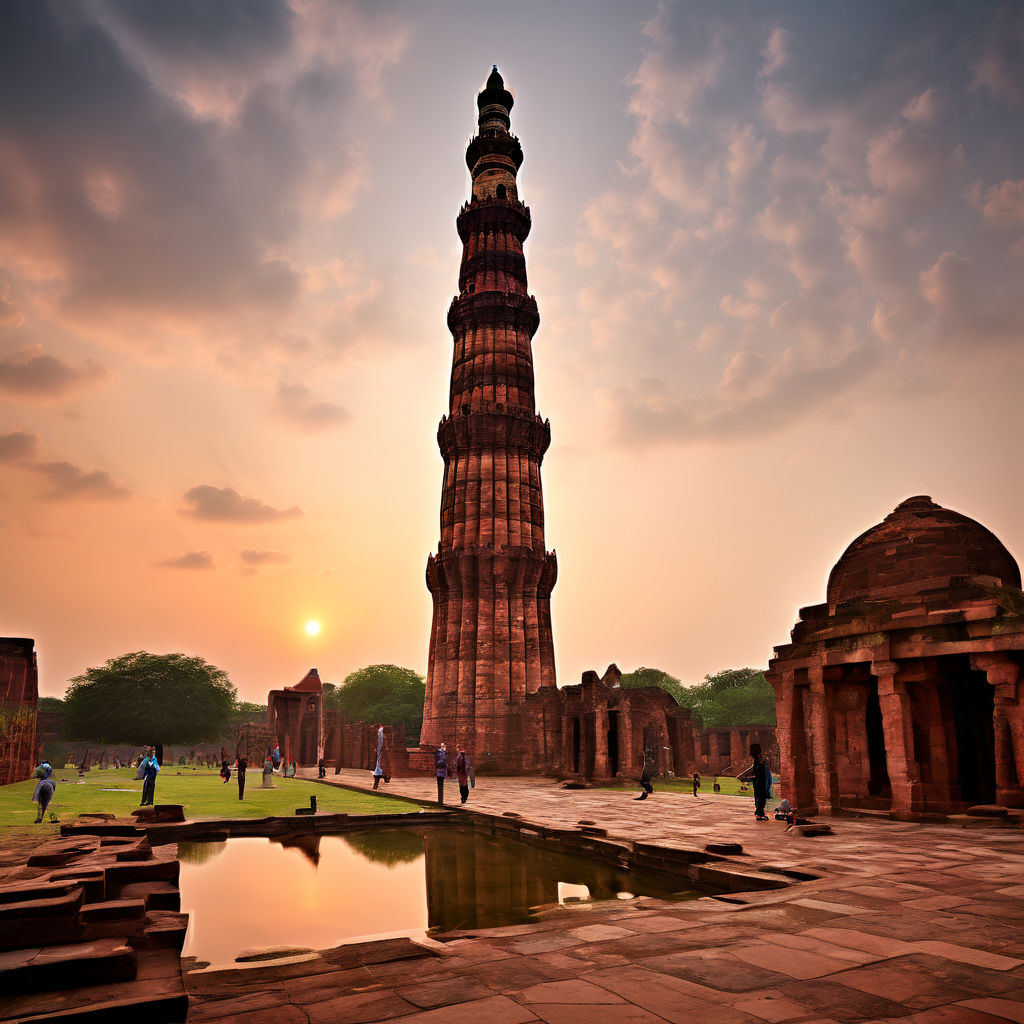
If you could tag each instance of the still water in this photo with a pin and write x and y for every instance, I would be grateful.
(320, 891)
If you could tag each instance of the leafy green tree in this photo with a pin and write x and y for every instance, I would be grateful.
(734, 696)
(642, 677)
(382, 693)
(148, 698)
(51, 705)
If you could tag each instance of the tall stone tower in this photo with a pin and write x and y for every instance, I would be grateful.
(491, 579)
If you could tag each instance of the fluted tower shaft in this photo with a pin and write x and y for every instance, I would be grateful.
(491, 579)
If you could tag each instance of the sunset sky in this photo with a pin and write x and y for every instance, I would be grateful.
(778, 251)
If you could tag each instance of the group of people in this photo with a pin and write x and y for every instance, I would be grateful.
(759, 773)
(462, 770)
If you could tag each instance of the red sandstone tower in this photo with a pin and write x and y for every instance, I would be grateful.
(491, 579)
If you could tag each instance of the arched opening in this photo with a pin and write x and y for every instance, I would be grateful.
(973, 704)
(500, 192)
(878, 782)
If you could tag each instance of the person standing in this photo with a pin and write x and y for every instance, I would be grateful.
(696, 782)
(321, 768)
(152, 766)
(378, 768)
(43, 793)
(242, 765)
(760, 774)
(442, 771)
(462, 770)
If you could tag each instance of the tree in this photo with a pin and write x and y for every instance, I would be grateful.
(732, 697)
(642, 677)
(149, 698)
(51, 705)
(382, 693)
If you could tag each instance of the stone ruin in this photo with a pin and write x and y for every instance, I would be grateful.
(903, 692)
(19, 707)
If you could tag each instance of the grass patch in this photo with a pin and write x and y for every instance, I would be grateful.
(202, 793)
(730, 787)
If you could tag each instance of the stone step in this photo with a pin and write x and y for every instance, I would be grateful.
(34, 890)
(58, 852)
(150, 1000)
(157, 895)
(120, 874)
(51, 968)
(93, 881)
(113, 910)
(166, 930)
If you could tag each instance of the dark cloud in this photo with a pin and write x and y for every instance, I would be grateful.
(253, 557)
(226, 505)
(299, 406)
(68, 482)
(30, 373)
(191, 560)
(18, 446)
(650, 413)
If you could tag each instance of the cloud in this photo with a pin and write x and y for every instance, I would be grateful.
(226, 505)
(298, 405)
(1002, 205)
(31, 374)
(999, 68)
(755, 399)
(191, 560)
(253, 557)
(18, 446)
(67, 482)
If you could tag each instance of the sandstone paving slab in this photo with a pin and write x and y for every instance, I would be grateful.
(545, 943)
(445, 992)
(575, 991)
(716, 969)
(359, 1008)
(955, 1013)
(286, 1014)
(219, 1008)
(795, 963)
(1006, 1009)
(493, 1010)
(828, 949)
(967, 955)
(770, 1006)
(514, 973)
(856, 939)
(600, 932)
(473, 950)
(833, 908)
(564, 961)
(561, 1013)
(827, 998)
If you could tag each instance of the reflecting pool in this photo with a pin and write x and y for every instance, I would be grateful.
(320, 891)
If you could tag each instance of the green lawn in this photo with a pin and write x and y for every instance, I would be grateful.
(202, 793)
(730, 787)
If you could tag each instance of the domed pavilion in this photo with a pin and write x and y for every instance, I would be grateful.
(905, 690)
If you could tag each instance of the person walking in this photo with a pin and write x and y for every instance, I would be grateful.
(225, 771)
(646, 788)
(243, 764)
(151, 767)
(442, 771)
(321, 768)
(463, 770)
(696, 782)
(43, 793)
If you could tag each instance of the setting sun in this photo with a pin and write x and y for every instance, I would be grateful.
(312, 628)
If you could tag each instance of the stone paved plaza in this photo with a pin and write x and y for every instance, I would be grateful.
(912, 922)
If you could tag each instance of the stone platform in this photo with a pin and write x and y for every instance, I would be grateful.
(911, 922)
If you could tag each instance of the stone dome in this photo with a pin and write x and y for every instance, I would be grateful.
(917, 542)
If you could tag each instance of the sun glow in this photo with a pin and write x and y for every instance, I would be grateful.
(313, 628)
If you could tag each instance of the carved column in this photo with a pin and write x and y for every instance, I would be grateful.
(600, 742)
(1005, 675)
(819, 733)
(897, 726)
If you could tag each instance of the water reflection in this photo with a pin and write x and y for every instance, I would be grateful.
(199, 853)
(319, 891)
(387, 846)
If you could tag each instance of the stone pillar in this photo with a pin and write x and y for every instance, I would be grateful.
(897, 727)
(738, 754)
(601, 742)
(1005, 676)
(824, 779)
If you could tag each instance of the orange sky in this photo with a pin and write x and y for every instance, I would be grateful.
(777, 254)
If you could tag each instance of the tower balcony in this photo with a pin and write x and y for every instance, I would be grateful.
(486, 143)
(509, 309)
(492, 216)
(498, 428)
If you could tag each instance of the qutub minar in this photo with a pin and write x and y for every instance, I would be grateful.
(491, 579)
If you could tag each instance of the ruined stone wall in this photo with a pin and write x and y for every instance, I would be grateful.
(19, 705)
